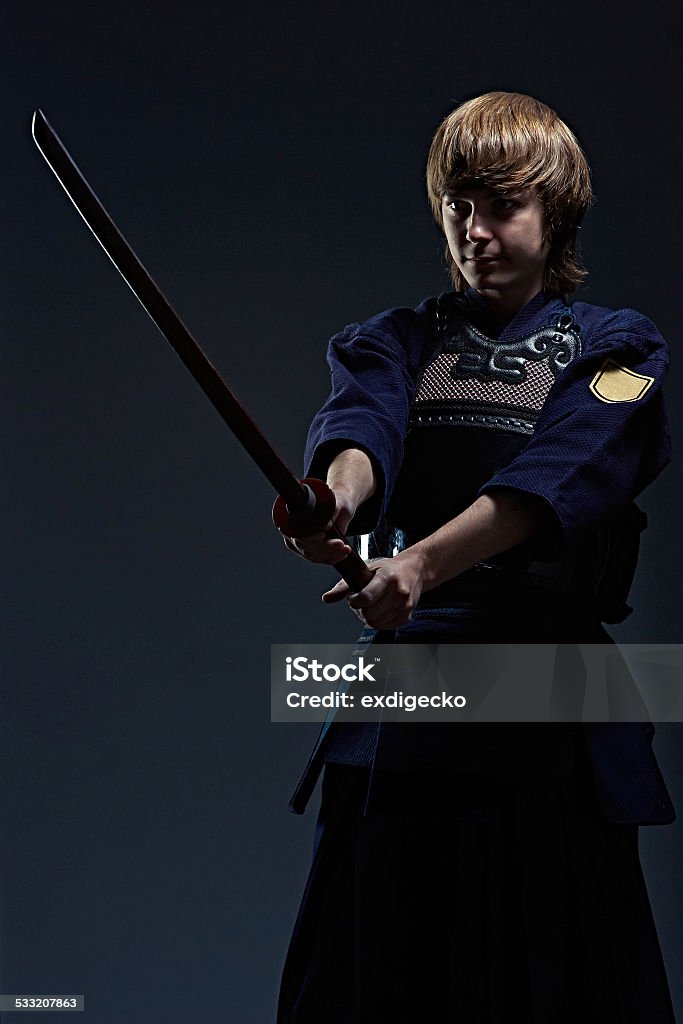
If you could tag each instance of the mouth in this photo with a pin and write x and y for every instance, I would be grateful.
(483, 259)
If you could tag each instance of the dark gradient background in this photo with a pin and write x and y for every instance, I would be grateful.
(267, 165)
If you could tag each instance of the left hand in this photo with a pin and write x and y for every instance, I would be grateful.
(389, 598)
(317, 547)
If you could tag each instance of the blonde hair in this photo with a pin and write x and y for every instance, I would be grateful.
(506, 141)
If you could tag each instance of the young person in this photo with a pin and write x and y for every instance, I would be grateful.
(492, 441)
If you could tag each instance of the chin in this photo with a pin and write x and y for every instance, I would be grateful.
(486, 282)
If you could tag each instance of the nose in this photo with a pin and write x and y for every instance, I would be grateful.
(478, 227)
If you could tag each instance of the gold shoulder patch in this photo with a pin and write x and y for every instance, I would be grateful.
(614, 383)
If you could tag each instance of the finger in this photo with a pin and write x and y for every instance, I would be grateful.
(392, 620)
(333, 552)
(324, 551)
(387, 611)
(338, 592)
(294, 546)
(363, 599)
(375, 595)
(337, 540)
(308, 538)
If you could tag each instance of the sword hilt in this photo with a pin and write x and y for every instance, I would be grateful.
(311, 516)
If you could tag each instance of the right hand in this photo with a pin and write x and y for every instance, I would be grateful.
(316, 547)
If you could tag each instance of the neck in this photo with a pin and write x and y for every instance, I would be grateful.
(507, 304)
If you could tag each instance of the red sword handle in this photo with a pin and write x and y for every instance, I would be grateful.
(311, 518)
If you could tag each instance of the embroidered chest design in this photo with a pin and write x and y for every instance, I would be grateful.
(479, 381)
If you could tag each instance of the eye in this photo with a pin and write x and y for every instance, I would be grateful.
(457, 205)
(505, 203)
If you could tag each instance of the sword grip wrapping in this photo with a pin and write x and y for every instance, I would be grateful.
(311, 517)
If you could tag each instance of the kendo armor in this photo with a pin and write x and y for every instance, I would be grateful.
(498, 388)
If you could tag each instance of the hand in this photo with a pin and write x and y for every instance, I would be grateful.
(316, 547)
(388, 600)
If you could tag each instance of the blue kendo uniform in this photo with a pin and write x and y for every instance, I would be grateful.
(483, 871)
(563, 403)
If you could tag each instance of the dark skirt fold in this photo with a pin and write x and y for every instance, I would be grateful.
(522, 904)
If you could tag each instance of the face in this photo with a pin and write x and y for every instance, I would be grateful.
(496, 241)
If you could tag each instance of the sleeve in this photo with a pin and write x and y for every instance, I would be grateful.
(603, 434)
(372, 366)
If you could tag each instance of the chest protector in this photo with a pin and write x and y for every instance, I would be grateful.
(475, 408)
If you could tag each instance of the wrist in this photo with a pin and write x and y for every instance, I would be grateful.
(435, 564)
(417, 558)
(351, 475)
